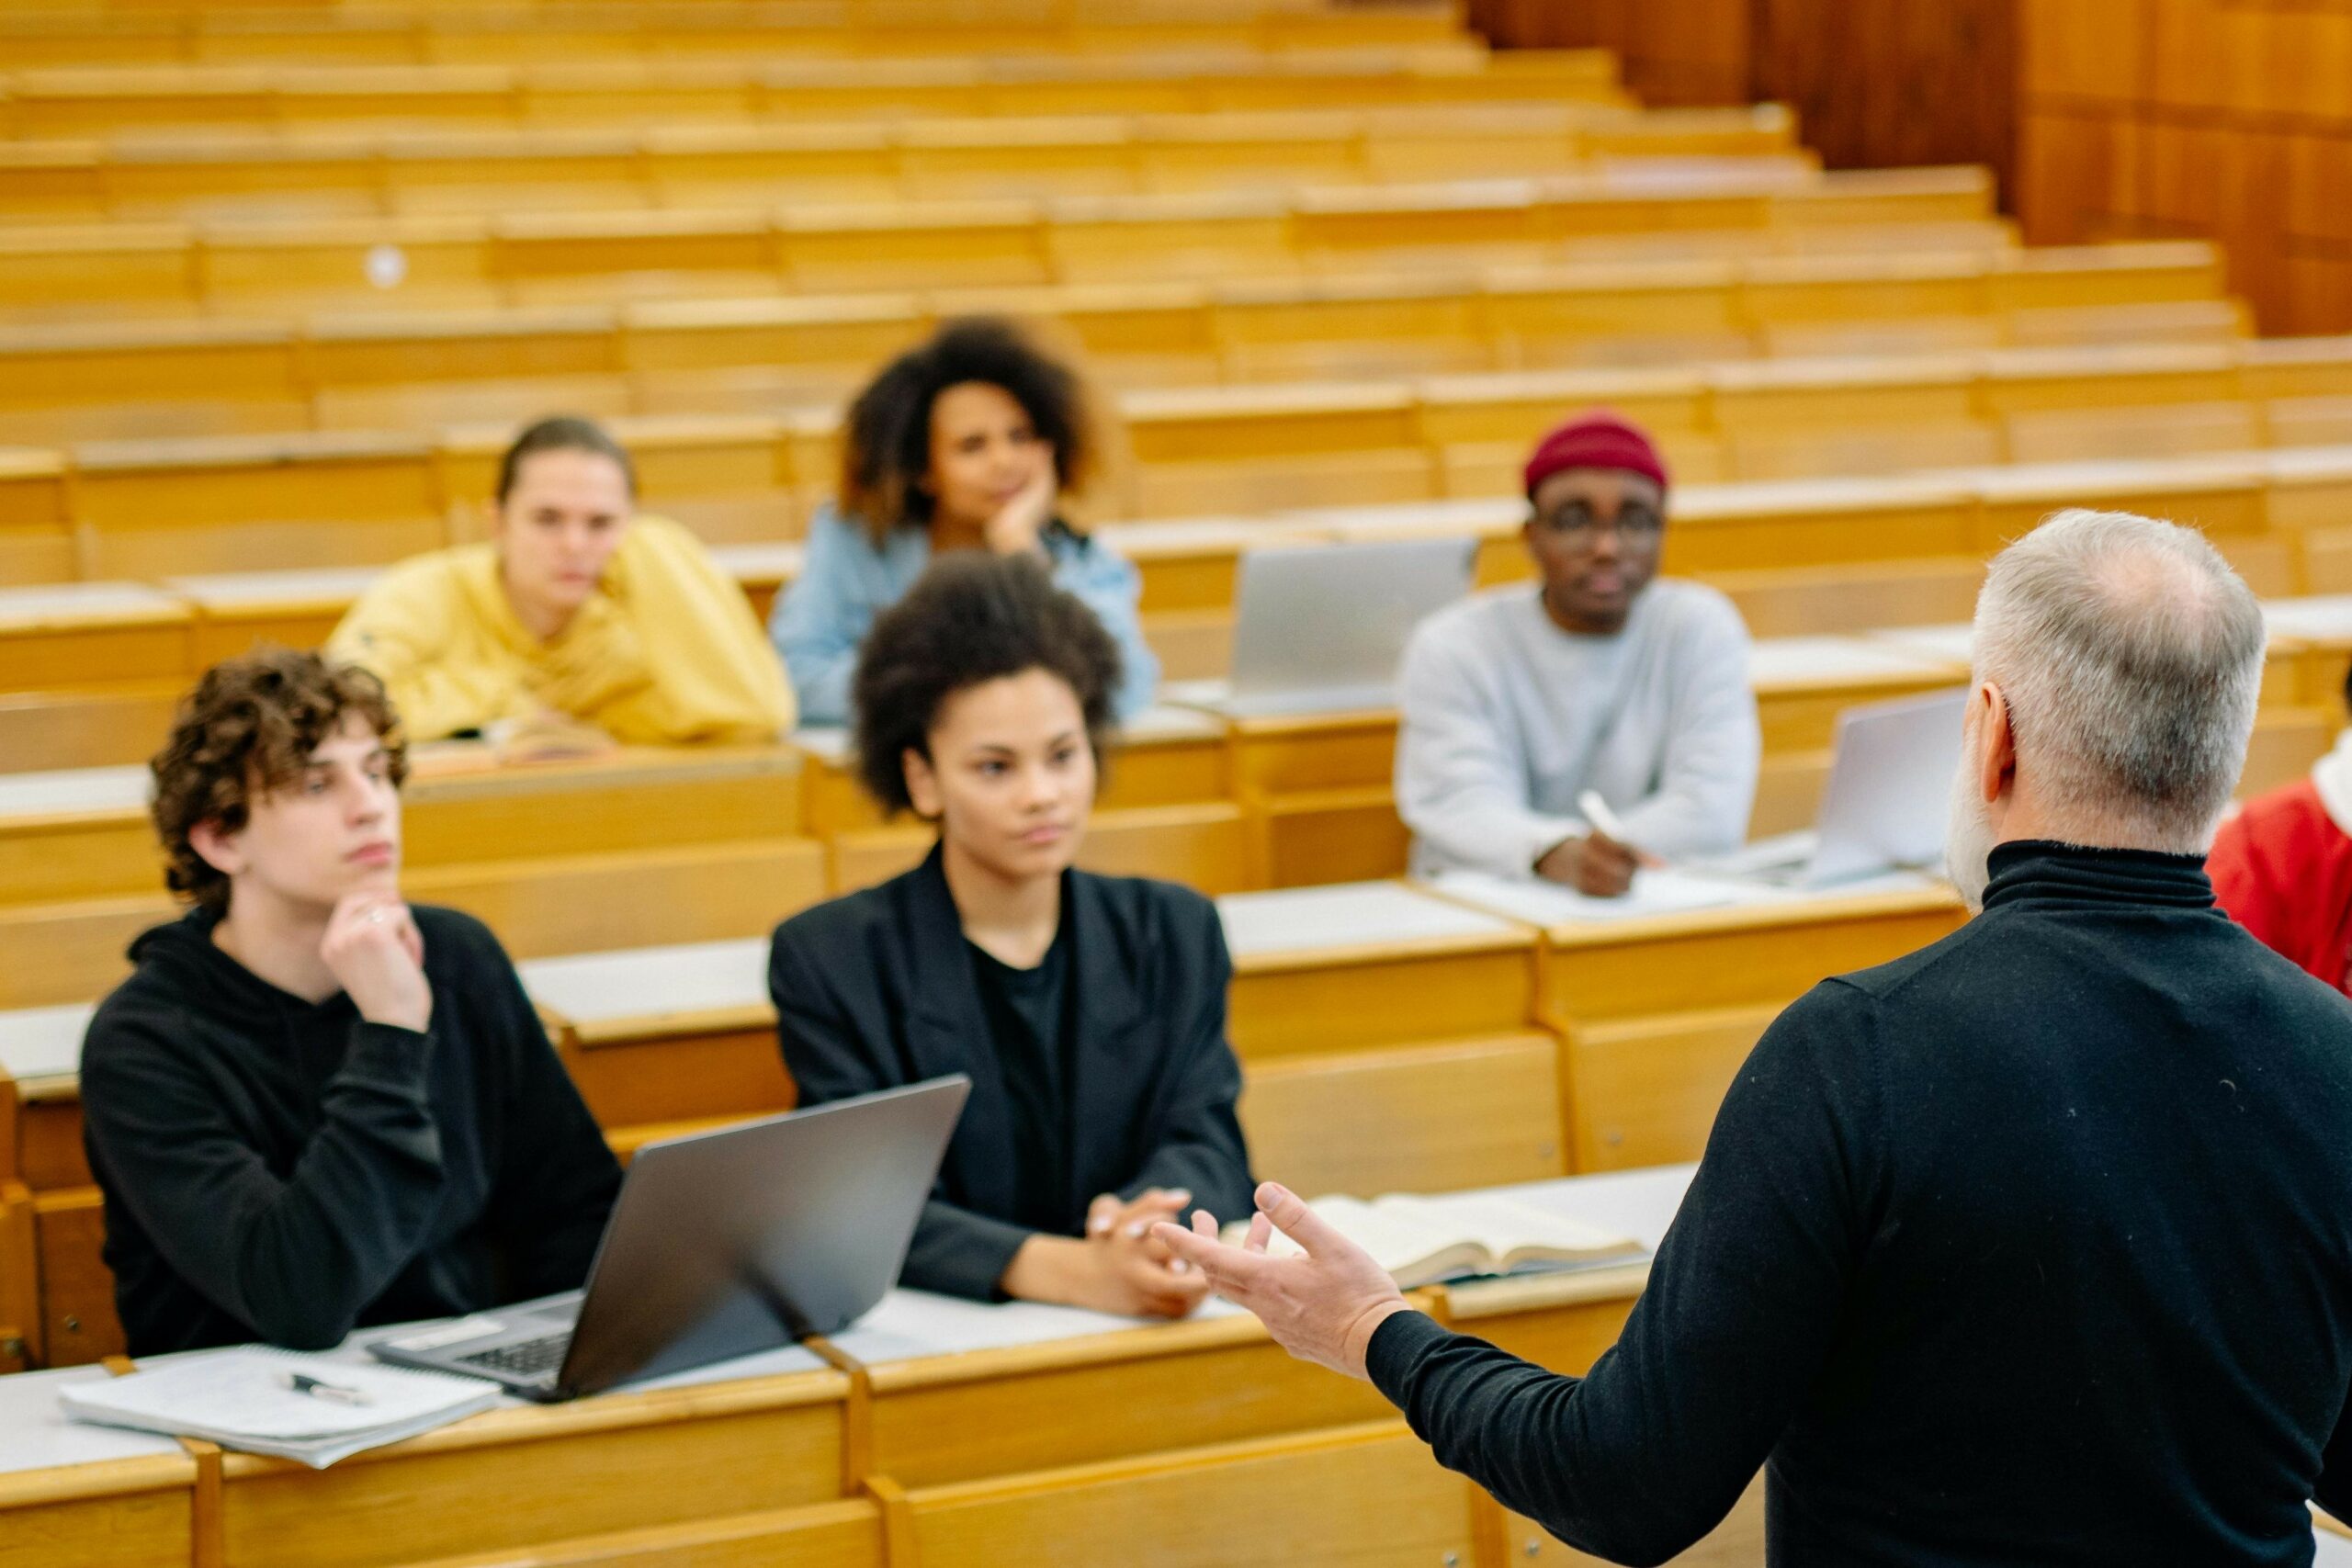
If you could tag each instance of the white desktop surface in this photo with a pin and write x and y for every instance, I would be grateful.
(589, 987)
(2327, 618)
(1805, 660)
(780, 561)
(911, 1324)
(1348, 914)
(43, 1043)
(1955, 642)
(38, 606)
(1654, 893)
(36, 1435)
(123, 788)
(260, 588)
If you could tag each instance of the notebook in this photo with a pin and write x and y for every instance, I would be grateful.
(1422, 1239)
(250, 1398)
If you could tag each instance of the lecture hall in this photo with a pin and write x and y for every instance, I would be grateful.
(1193, 784)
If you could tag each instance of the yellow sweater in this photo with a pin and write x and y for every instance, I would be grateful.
(665, 652)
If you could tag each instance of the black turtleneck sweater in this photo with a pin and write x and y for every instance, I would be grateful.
(279, 1170)
(2034, 1246)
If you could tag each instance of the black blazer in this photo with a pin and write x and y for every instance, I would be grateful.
(876, 989)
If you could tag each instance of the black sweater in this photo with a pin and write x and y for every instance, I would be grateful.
(2034, 1246)
(878, 989)
(279, 1170)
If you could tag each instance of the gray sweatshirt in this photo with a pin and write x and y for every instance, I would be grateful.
(1507, 718)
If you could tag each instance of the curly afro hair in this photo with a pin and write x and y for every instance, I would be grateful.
(249, 728)
(972, 618)
(885, 444)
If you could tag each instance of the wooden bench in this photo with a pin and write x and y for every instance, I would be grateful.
(1656, 1012)
(439, 261)
(196, 175)
(451, 35)
(766, 352)
(91, 101)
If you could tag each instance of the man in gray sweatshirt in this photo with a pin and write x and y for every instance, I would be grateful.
(1595, 677)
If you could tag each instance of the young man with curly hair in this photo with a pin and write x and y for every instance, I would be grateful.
(315, 1106)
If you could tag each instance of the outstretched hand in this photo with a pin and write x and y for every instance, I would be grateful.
(1321, 1307)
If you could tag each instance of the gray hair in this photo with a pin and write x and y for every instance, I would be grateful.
(2132, 656)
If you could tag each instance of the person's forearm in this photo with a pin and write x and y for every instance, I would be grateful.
(1490, 837)
(1516, 1430)
(306, 1258)
(959, 1253)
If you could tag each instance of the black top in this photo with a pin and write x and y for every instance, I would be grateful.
(876, 989)
(1026, 1010)
(275, 1169)
(2034, 1246)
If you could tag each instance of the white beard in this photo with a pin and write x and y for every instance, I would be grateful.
(1968, 834)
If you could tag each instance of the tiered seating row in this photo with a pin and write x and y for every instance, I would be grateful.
(704, 356)
(755, 87)
(1744, 206)
(700, 29)
(1389, 1037)
(195, 176)
(931, 1433)
(148, 510)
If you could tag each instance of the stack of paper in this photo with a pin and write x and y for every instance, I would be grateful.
(273, 1402)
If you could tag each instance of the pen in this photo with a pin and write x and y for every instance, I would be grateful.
(1596, 811)
(304, 1383)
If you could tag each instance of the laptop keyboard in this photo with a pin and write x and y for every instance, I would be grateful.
(527, 1361)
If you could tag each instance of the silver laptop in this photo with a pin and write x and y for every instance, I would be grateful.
(1885, 806)
(1321, 628)
(721, 1244)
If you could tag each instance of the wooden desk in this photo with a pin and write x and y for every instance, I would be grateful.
(756, 1440)
(665, 1034)
(80, 1496)
(980, 1433)
(295, 609)
(1656, 1012)
(643, 846)
(2320, 628)
(1365, 965)
(89, 671)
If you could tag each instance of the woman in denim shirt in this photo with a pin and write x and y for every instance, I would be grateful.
(965, 443)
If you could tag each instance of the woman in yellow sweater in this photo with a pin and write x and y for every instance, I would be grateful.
(575, 611)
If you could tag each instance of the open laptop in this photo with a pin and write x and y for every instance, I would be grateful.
(1321, 628)
(1885, 806)
(721, 1244)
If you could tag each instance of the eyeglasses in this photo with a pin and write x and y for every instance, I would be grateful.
(1575, 526)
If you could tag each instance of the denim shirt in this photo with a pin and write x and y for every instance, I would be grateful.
(845, 582)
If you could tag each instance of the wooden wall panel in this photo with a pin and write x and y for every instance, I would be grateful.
(2103, 119)
(1674, 52)
(1876, 83)
(1880, 84)
(2227, 119)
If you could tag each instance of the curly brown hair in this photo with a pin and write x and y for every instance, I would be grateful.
(886, 440)
(972, 618)
(249, 728)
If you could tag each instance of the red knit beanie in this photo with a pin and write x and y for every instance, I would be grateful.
(1596, 440)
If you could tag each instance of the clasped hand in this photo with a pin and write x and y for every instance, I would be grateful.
(1119, 1266)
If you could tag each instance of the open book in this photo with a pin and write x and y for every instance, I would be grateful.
(1422, 1239)
(255, 1399)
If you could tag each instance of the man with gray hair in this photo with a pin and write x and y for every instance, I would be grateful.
(2034, 1246)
